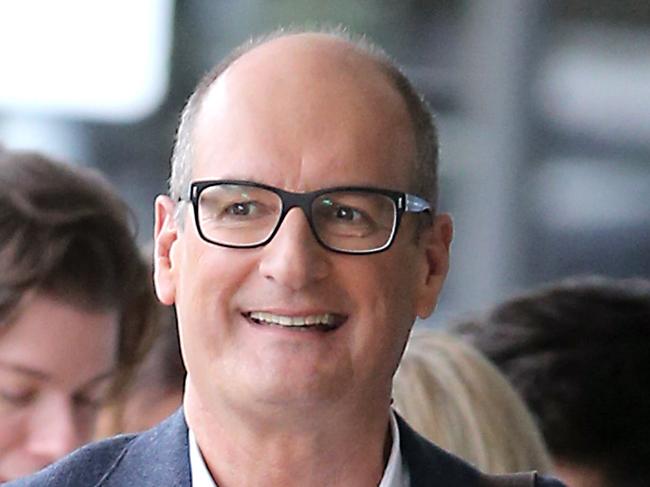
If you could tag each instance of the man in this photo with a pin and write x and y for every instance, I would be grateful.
(297, 255)
(578, 353)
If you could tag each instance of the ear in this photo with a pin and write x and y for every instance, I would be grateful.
(165, 236)
(435, 243)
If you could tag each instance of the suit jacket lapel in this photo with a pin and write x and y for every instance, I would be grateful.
(160, 458)
(156, 458)
(429, 465)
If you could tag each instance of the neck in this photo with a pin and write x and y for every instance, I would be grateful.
(336, 447)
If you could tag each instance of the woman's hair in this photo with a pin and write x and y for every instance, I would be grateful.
(65, 232)
(577, 352)
(454, 397)
(156, 388)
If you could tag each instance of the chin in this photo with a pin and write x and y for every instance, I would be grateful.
(295, 393)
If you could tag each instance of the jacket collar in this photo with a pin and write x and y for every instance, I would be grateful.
(156, 457)
(431, 466)
(160, 456)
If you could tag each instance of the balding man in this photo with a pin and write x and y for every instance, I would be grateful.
(299, 243)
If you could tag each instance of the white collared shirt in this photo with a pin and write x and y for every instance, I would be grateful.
(395, 475)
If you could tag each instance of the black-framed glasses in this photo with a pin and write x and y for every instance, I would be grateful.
(350, 219)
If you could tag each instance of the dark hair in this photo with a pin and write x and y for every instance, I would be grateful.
(425, 179)
(161, 373)
(64, 231)
(163, 366)
(579, 353)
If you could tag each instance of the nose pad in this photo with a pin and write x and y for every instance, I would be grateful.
(294, 258)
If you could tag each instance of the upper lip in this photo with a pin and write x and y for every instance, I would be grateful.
(293, 318)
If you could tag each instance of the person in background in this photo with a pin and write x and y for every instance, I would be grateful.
(156, 390)
(456, 398)
(578, 351)
(74, 307)
(299, 242)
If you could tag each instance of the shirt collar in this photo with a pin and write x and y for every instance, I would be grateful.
(395, 475)
(199, 471)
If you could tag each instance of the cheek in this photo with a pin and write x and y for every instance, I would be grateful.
(98, 349)
(207, 298)
(11, 427)
(209, 276)
(386, 290)
(384, 297)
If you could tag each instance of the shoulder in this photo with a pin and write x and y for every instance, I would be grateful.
(543, 481)
(430, 465)
(85, 466)
(522, 479)
(159, 456)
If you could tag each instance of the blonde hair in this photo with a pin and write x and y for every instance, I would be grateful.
(453, 396)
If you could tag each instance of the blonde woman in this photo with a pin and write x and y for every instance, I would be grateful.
(454, 397)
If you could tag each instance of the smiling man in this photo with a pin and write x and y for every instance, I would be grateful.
(299, 244)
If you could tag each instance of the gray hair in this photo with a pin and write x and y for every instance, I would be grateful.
(425, 178)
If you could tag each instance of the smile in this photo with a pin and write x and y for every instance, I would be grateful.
(320, 322)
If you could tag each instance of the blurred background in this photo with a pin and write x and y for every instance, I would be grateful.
(543, 107)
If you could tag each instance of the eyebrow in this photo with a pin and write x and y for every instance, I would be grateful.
(42, 376)
(21, 369)
(231, 177)
(99, 378)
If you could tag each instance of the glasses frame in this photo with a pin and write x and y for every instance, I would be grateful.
(402, 203)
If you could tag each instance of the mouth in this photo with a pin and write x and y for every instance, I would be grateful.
(324, 322)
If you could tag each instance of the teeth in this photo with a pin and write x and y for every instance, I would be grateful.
(323, 319)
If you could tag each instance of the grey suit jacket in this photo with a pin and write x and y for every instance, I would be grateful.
(160, 458)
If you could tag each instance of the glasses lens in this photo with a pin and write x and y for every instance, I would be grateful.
(234, 214)
(354, 220)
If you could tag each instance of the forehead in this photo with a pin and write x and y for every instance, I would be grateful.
(305, 108)
(46, 329)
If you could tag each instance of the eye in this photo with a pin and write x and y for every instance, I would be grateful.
(347, 213)
(339, 213)
(236, 205)
(16, 398)
(88, 402)
(95, 396)
(246, 208)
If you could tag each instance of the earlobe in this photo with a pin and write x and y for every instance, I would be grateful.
(436, 243)
(165, 235)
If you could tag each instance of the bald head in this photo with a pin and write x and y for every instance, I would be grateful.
(320, 67)
(288, 78)
(308, 51)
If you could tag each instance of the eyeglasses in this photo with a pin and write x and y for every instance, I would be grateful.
(350, 220)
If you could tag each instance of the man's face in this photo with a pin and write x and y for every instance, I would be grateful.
(299, 118)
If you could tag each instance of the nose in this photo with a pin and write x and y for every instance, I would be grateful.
(294, 258)
(53, 431)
